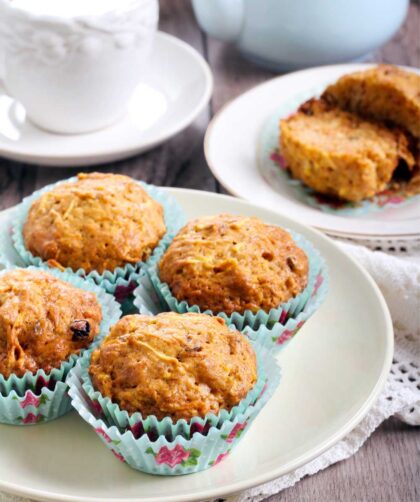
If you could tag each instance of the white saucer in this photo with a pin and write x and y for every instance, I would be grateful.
(175, 90)
(331, 375)
(231, 145)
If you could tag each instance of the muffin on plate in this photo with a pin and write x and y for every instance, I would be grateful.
(97, 223)
(43, 321)
(174, 365)
(229, 264)
(173, 393)
(384, 93)
(339, 154)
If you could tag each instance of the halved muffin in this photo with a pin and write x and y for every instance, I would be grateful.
(339, 154)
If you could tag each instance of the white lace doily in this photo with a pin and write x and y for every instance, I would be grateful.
(399, 280)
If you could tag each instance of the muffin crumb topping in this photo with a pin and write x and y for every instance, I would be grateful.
(176, 365)
(43, 321)
(229, 263)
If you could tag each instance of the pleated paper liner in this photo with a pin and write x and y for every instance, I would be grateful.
(148, 302)
(161, 446)
(41, 397)
(122, 281)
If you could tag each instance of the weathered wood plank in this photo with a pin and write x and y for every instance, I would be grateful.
(404, 48)
(385, 469)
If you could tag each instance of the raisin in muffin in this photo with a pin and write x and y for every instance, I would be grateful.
(98, 222)
(337, 153)
(229, 264)
(43, 321)
(384, 93)
(176, 365)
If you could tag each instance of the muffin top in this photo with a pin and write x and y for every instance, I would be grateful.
(385, 93)
(43, 320)
(99, 222)
(229, 263)
(176, 365)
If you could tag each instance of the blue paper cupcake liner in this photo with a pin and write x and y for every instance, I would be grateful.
(123, 420)
(121, 281)
(278, 336)
(167, 448)
(41, 397)
(281, 314)
(272, 337)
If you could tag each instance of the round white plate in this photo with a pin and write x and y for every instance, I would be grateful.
(332, 374)
(177, 86)
(231, 151)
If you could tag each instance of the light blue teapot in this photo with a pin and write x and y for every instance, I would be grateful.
(291, 34)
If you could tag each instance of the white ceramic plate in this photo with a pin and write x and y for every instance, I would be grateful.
(231, 151)
(332, 374)
(176, 88)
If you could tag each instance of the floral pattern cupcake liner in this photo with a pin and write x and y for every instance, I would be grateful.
(171, 449)
(278, 336)
(40, 397)
(154, 427)
(33, 408)
(281, 314)
(274, 170)
(272, 336)
(121, 281)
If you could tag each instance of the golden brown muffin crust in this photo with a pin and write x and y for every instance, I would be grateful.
(176, 365)
(43, 320)
(384, 93)
(340, 154)
(229, 263)
(99, 222)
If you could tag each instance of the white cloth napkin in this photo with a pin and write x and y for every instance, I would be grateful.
(399, 281)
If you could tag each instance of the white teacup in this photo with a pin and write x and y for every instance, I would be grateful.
(72, 66)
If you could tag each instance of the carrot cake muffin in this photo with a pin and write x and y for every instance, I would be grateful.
(43, 321)
(229, 264)
(99, 222)
(176, 365)
(384, 93)
(337, 153)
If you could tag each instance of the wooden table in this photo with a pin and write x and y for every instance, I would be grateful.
(387, 467)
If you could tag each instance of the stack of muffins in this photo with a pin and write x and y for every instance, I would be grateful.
(169, 393)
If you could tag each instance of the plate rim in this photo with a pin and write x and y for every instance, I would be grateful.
(304, 458)
(231, 189)
(91, 158)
